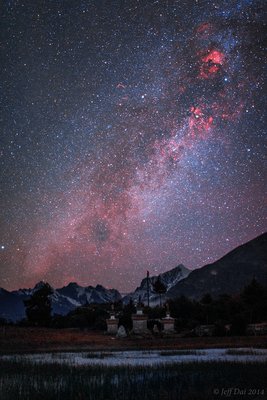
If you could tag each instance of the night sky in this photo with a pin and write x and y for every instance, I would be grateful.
(132, 137)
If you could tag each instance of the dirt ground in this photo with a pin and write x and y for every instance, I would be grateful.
(18, 339)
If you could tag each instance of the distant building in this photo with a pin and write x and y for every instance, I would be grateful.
(204, 330)
(257, 329)
(112, 323)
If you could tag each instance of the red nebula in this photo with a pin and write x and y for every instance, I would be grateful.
(207, 71)
(213, 69)
(204, 28)
(196, 111)
(214, 56)
(182, 89)
(211, 64)
(169, 150)
(225, 108)
(121, 86)
(200, 122)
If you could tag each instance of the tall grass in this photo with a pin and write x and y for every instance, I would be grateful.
(28, 381)
(182, 353)
(244, 352)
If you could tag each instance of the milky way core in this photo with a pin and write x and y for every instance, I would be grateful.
(132, 138)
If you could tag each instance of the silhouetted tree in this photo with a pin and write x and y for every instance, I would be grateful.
(206, 299)
(239, 324)
(254, 297)
(38, 306)
(125, 316)
(3, 322)
(92, 317)
(159, 288)
(253, 293)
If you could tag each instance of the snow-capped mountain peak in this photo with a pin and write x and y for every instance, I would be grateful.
(169, 279)
(63, 300)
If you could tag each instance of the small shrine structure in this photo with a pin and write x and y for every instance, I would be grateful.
(112, 322)
(168, 321)
(139, 320)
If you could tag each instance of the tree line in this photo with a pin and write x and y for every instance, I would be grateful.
(232, 311)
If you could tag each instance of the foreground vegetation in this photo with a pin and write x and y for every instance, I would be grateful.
(23, 381)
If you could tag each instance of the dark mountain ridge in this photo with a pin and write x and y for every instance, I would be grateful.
(229, 274)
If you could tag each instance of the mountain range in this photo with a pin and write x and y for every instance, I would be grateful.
(63, 300)
(227, 275)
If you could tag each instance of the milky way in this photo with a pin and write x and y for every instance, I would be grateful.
(132, 137)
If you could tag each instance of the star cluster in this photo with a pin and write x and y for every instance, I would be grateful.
(132, 137)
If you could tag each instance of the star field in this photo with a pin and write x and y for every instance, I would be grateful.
(132, 137)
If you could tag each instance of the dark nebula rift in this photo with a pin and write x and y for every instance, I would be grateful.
(132, 137)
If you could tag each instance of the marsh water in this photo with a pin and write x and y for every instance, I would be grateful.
(143, 358)
(133, 375)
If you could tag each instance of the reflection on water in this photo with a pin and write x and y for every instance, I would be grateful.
(154, 357)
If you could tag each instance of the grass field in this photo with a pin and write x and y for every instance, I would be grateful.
(18, 339)
(199, 381)
(23, 380)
